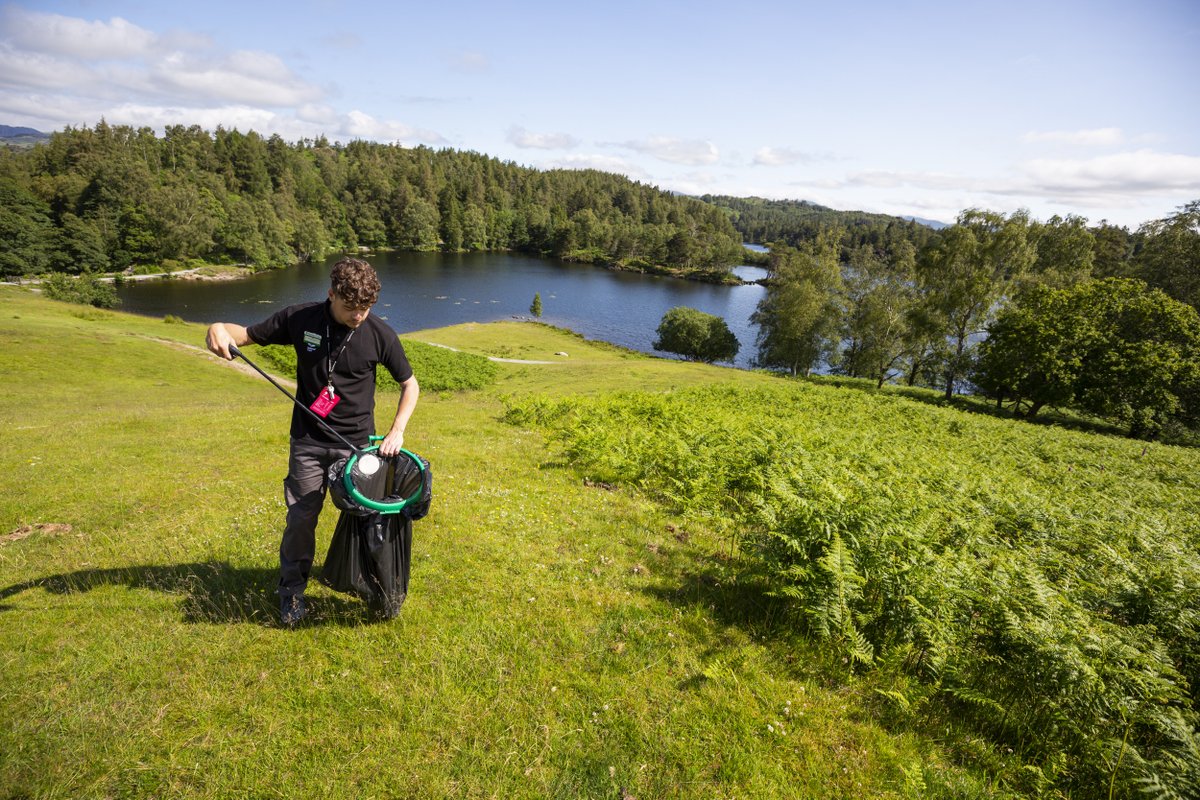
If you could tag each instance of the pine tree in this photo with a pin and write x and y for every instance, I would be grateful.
(536, 307)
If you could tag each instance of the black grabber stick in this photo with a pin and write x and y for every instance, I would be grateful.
(233, 350)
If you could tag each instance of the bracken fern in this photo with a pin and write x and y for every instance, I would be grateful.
(1045, 584)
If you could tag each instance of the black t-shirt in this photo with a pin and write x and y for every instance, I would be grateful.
(318, 339)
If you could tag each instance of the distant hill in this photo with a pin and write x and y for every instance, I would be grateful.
(21, 137)
(761, 221)
(931, 223)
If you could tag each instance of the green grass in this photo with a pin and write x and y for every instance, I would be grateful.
(441, 369)
(560, 639)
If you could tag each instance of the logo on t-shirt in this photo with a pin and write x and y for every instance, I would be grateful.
(313, 340)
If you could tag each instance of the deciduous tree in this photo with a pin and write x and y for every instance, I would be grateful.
(1066, 250)
(696, 336)
(25, 230)
(880, 306)
(1113, 250)
(1034, 350)
(1169, 258)
(966, 274)
(420, 225)
(1115, 348)
(78, 247)
(801, 315)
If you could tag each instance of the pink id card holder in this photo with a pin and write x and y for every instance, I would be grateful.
(325, 402)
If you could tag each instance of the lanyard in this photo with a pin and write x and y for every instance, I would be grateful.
(330, 359)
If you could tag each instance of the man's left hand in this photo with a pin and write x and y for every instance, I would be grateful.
(391, 443)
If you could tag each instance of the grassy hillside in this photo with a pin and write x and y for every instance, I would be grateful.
(563, 637)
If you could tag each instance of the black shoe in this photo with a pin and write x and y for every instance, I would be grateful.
(291, 609)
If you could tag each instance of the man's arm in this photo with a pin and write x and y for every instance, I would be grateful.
(222, 334)
(409, 391)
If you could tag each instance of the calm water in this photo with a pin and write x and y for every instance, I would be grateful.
(431, 290)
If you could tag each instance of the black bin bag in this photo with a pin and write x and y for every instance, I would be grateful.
(370, 557)
(371, 551)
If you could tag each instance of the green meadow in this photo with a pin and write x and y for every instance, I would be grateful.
(640, 578)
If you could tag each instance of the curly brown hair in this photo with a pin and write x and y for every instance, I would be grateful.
(355, 281)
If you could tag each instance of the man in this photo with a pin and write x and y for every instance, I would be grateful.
(338, 345)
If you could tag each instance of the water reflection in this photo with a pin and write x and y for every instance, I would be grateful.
(432, 290)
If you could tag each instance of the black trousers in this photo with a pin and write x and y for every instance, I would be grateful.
(304, 493)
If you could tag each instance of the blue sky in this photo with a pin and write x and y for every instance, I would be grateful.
(908, 108)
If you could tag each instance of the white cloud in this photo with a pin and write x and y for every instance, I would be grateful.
(316, 114)
(57, 71)
(785, 156)
(691, 152)
(694, 183)
(241, 117)
(1098, 137)
(429, 100)
(599, 162)
(948, 208)
(184, 40)
(240, 77)
(78, 38)
(51, 112)
(1126, 187)
(1138, 172)
(125, 63)
(541, 141)
(886, 179)
(1120, 179)
(38, 70)
(46, 112)
(364, 126)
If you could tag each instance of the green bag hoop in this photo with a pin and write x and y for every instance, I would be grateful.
(348, 497)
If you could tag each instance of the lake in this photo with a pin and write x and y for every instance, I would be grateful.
(432, 290)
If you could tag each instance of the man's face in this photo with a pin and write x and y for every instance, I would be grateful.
(346, 314)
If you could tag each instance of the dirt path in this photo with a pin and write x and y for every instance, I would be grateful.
(240, 366)
(493, 358)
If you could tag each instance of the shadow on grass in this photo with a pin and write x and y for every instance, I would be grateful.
(736, 600)
(731, 593)
(211, 592)
(973, 404)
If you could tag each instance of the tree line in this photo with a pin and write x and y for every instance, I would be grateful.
(114, 197)
(1030, 314)
(795, 222)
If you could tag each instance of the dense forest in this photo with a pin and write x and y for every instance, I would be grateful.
(1028, 313)
(114, 197)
